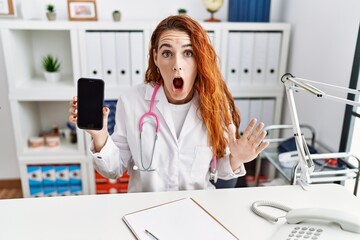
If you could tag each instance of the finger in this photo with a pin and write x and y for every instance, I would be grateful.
(262, 146)
(256, 132)
(73, 118)
(249, 128)
(73, 101)
(73, 111)
(232, 132)
(106, 111)
(260, 138)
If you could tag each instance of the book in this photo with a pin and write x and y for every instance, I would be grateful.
(179, 219)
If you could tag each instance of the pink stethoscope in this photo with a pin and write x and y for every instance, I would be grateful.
(150, 113)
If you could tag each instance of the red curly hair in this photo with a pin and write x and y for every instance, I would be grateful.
(216, 104)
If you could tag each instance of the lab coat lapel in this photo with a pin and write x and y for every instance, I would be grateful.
(193, 117)
(162, 105)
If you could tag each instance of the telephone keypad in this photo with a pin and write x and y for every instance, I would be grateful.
(307, 233)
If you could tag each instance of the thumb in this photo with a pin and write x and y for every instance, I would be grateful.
(106, 112)
(232, 132)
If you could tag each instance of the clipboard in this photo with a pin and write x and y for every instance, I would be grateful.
(179, 219)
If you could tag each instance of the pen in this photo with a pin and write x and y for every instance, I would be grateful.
(152, 235)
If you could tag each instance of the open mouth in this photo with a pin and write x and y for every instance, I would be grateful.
(178, 83)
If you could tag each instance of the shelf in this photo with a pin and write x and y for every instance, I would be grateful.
(256, 92)
(24, 50)
(65, 149)
(40, 82)
(32, 118)
(52, 160)
(39, 89)
(37, 25)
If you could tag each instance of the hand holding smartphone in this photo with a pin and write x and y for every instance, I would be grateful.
(90, 94)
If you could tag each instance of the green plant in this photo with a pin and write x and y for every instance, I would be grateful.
(116, 11)
(181, 11)
(50, 8)
(51, 63)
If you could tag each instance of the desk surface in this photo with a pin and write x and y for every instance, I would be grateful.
(100, 216)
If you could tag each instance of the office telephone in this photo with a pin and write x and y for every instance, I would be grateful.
(311, 223)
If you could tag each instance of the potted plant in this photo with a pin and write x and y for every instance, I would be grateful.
(50, 14)
(116, 15)
(182, 11)
(51, 66)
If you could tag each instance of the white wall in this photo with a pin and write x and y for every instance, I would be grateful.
(8, 164)
(322, 47)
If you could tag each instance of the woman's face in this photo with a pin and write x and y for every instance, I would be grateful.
(176, 62)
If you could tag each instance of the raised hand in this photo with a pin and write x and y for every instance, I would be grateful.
(248, 146)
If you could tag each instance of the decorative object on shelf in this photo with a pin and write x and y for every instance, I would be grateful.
(213, 6)
(82, 10)
(73, 135)
(7, 8)
(50, 14)
(116, 15)
(36, 142)
(52, 141)
(182, 11)
(51, 67)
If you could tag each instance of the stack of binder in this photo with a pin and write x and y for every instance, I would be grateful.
(253, 58)
(249, 10)
(117, 57)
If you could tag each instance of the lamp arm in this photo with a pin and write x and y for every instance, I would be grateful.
(303, 84)
(293, 84)
(338, 88)
(306, 162)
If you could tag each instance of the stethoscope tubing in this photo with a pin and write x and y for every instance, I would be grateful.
(150, 113)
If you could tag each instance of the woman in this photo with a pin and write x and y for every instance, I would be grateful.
(191, 124)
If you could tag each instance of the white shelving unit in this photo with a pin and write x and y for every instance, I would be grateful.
(37, 105)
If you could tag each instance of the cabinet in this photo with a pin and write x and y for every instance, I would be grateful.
(252, 56)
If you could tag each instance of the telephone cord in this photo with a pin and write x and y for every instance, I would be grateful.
(255, 208)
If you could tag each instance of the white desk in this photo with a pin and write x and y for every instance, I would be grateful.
(100, 216)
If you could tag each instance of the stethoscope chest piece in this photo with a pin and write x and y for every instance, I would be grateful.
(213, 170)
(214, 176)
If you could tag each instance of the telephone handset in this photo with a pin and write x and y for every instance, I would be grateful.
(312, 223)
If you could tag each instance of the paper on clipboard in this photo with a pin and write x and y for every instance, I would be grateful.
(180, 219)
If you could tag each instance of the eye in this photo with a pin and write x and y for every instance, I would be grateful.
(166, 54)
(188, 53)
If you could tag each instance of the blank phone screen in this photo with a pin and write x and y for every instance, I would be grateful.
(90, 103)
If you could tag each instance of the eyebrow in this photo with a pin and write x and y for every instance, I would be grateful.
(169, 45)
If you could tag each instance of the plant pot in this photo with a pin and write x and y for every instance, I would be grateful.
(116, 17)
(51, 16)
(52, 76)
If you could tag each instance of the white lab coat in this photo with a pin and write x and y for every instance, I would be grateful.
(178, 163)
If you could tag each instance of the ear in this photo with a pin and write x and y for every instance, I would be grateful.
(155, 56)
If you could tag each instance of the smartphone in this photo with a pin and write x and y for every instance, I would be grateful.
(90, 93)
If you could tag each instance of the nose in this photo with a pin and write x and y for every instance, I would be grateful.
(177, 63)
